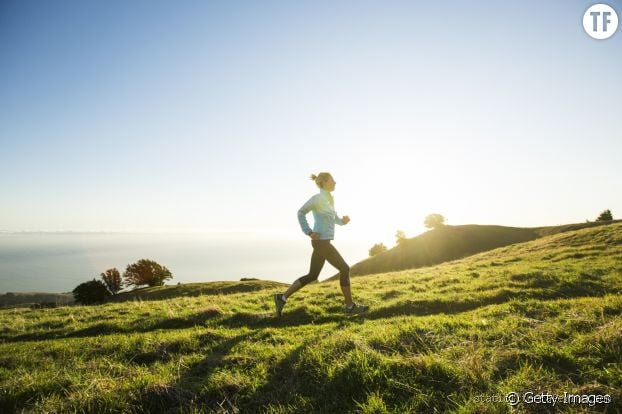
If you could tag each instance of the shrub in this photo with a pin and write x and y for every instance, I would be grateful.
(94, 291)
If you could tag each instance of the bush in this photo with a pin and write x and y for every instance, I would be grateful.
(377, 248)
(146, 272)
(94, 291)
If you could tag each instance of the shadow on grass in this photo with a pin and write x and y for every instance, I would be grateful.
(107, 328)
(298, 316)
(295, 317)
(287, 384)
(431, 307)
(297, 384)
(14, 401)
(185, 392)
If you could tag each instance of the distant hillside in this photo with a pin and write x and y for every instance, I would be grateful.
(12, 299)
(455, 242)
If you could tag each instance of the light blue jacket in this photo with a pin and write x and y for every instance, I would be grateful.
(324, 215)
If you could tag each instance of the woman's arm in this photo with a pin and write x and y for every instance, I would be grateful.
(338, 219)
(302, 215)
(341, 220)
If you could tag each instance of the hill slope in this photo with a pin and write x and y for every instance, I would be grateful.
(541, 316)
(194, 289)
(453, 242)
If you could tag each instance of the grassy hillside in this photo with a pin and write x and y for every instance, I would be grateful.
(454, 242)
(541, 316)
(194, 289)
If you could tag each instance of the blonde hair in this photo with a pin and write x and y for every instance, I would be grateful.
(321, 178)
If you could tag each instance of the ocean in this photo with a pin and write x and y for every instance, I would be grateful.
(58, 262)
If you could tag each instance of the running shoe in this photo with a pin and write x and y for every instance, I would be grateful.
(357, 308)
(279, 302)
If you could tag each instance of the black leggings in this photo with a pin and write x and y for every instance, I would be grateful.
(322, 251)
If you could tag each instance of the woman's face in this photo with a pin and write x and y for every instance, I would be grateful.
(329, 185)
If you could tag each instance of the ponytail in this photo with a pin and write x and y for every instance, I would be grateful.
(320, 178)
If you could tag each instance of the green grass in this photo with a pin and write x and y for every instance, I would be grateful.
(542, 316)
(194, 289)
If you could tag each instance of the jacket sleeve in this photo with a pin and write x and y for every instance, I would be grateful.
(302, 215)
(338, 219)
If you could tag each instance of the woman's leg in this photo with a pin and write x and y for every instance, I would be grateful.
(292, 288)
(347, 295)
(334, 258)
(317, 262)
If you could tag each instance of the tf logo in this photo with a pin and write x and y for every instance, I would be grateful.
(600, 21)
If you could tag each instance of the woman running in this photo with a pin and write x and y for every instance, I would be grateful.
(325, 217)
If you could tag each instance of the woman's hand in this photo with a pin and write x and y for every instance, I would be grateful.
(345, 219)
(314, 235)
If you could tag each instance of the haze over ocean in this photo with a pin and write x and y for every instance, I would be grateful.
(48, 262)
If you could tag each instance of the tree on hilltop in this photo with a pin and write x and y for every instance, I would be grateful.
(434, 221)
(146, 272)
(605, 216)
(400, 237)
(112, 279)
(377, 248)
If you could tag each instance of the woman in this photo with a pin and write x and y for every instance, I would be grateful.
(325, 217)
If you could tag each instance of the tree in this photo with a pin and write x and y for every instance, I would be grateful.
(377, 248)
(434, 221)
(94, 291)
(112, 279)
(400, 236)
(146, 272)
(605, 216)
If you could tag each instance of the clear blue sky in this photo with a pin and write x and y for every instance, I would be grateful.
(210, 116)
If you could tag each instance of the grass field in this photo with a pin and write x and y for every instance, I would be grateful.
(541, 316)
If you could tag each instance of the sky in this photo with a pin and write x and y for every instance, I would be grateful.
(209, 116)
